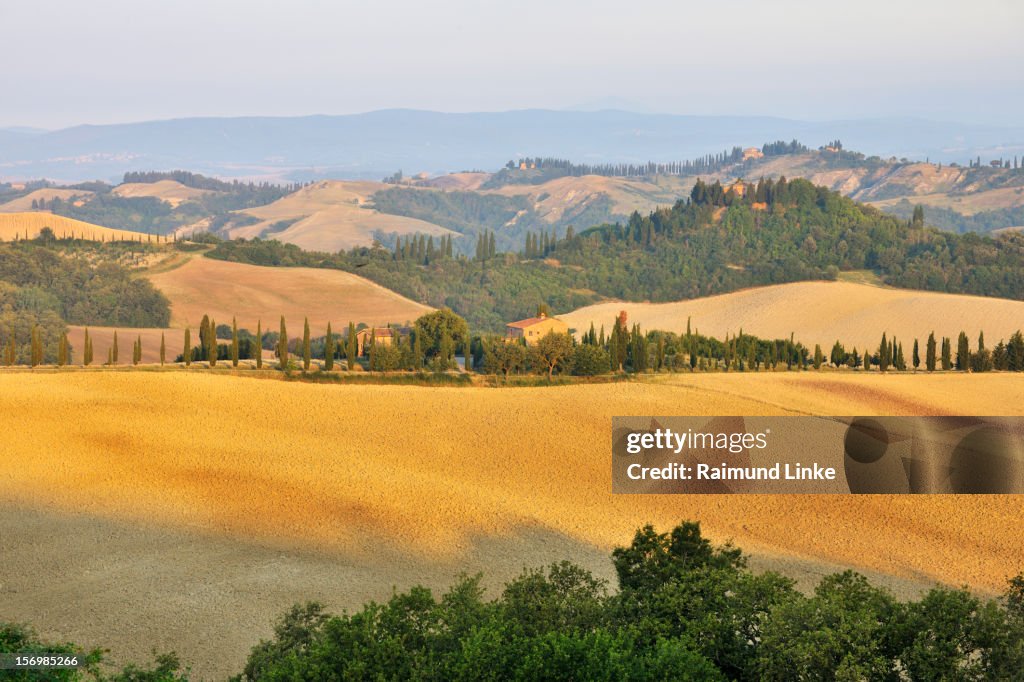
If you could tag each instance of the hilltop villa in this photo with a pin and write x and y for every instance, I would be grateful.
(533, 329)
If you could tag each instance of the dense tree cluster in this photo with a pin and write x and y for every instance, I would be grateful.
(80, 286)
(471, 214)
(684, 610)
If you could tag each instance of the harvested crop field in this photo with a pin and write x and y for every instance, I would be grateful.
(28, 226)
(230, 487)
(170, 191)
(331, 215)
(251, 293)
(822, 312)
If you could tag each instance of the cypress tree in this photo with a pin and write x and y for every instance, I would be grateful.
(372, 352)
(306, 355)
(234, 342)
(867, 360)
(818, 356)
(282, 346)
(883, 354)
(351, 347)
(211, 350)
(87, 349)
(187, 355)
(113, 350)
(329, 349)
(138, 351)
(259, 344)
(34, 347)
(929, 353)
(917, 356)
(947, 354)
(204, 337)
(163, 349)
(62, 350)
(963, 353)
(417, 352)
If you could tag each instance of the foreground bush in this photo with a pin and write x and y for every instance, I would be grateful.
(685, 610)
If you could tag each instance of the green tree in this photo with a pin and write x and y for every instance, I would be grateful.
(62, 350)
(929, 353)
(282, 346)
(113, 350)
(306, 354)
(259, 344)
(351, 347)
(211, 345)
(234, 342)
(329, 349)
(819, 357)
(430, 329)
(163, 349)
(502, 356)
(963, 353)
(187, 355)
(917, 356)
(552, 351)
(947, 354)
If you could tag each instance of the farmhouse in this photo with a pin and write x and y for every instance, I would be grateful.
(382, 335)
(752, 153)
(533, 329)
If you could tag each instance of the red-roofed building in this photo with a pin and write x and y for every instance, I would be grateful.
(533, 329)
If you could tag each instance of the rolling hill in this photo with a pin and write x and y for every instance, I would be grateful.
(251, 293)
(24, 203)
(174, 193)
(821, 312)
(328, 216)
(29, 225)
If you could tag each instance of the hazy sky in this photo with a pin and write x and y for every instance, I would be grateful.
(69, 61)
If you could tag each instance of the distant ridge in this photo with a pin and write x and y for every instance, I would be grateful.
(372, 144)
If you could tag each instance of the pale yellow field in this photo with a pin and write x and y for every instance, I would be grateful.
(252, 293)
(822, 312)
(332, 215)
(47, 194)
(556, 197)
(28, 226)
(968, 204)
(171, 191)
(103, 338)
(427, 470)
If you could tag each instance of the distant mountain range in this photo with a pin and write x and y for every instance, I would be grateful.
(373, 144)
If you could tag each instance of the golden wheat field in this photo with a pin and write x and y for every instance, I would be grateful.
(252, 293)
(429, 469)
(28, 226)
(187, 510)
(822, 312)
